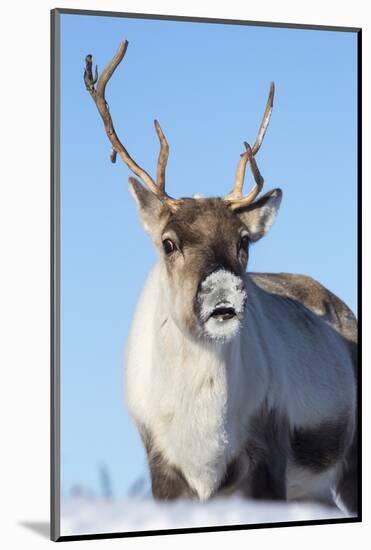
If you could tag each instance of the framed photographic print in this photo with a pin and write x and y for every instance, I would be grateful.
(205, 362)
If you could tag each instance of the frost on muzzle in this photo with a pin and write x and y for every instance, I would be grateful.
(221, 303)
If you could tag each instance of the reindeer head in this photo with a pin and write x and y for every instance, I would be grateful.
(203, 242)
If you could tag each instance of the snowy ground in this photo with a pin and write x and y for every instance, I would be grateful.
(81, 516)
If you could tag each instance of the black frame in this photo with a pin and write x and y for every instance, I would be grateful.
(55, 274)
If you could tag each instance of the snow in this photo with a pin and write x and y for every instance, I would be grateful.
(82, 516)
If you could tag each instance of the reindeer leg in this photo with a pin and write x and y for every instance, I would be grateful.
(347, 486)
(168, 482)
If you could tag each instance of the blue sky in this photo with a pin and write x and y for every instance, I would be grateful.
(207, 84)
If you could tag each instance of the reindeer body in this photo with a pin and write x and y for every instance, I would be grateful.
(271, 413)
(236, 381)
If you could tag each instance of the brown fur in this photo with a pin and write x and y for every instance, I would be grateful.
(168, 482)
(209, 232)
(207, 235)
(314, 296)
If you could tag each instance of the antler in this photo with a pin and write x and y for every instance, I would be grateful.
(98, 95)
(235, 198)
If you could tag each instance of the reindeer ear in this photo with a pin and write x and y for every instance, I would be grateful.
(260, 215)
(151, 208)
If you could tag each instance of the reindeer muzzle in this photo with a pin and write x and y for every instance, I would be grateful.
(221, 302)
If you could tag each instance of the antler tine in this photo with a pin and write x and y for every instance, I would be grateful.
(259, 182)
(98, 95)
(162, 157)
(235, 197)
(236, 193)
(265, 121)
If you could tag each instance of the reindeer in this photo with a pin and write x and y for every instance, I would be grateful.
(237, 381)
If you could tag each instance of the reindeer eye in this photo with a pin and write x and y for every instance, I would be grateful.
(168, 246)
(244, 242)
